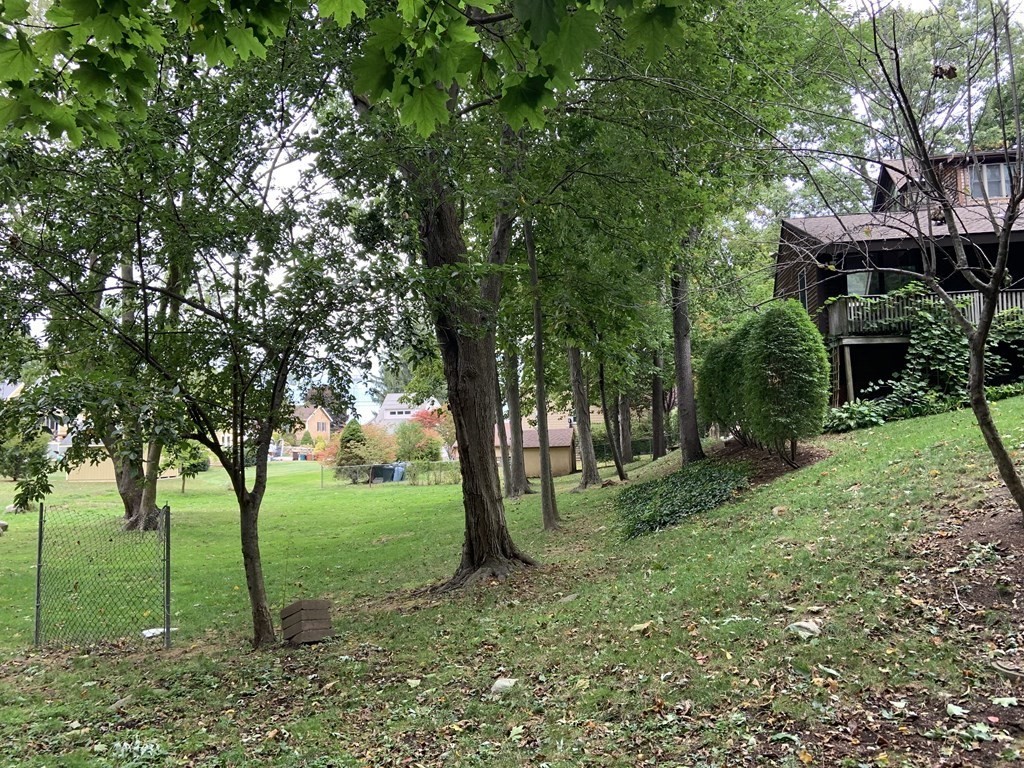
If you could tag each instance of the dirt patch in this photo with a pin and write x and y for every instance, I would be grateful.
(766, 467)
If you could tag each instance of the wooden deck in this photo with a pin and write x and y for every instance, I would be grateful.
(881, 315)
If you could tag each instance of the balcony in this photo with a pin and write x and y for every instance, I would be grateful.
(881, 315)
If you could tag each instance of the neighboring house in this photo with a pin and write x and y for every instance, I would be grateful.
(393, 411)
(562, 444)
(315, 420)
(833, 264)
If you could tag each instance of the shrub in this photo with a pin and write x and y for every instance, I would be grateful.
(698, 487)
(21, 458)
(416, 443)
(785, 372)
(721, 384)
(856, 415)
(351, 444)
(433, 473)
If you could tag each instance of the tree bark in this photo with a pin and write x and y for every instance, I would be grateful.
(581, 402)
(549, 506)
(689, 435)
(983, 415)
(657, 408)
(465, 335)
(262, 620)
(499, 417)
(148, 517)
(625, 429)
(520, 483)
(609, 425)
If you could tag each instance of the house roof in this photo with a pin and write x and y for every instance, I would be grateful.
(892, 227)
(393, 402)
(9, 389)
(303, 412)
(557, 438)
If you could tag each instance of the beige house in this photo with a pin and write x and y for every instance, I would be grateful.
(394, 411)
(315, 420)
(562, 447)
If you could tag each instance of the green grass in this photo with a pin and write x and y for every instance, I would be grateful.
(666, 650)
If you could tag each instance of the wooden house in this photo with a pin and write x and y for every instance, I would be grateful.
(837, 265)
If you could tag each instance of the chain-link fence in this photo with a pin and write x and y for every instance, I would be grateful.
(96, 581)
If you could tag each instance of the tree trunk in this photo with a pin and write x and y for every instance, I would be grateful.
(147, 517)
(609, 425)
(657, 409)
(129, 480)
(625, 429)
(520, 483)
(499, 416)
(689, 436)
(262, 620)
(549, 505)
(581, 402)
(465, 335)
(983, 415)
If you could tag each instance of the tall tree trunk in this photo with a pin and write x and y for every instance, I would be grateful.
(520, 483)
(465, 335)
(499, 417)
(625, 429)
(610, 424)
(549, 505)
(581, 403)
(657, 408)
(689, 435)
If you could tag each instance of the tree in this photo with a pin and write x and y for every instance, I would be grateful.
(265, 306)
(20, 457)
(351, 449)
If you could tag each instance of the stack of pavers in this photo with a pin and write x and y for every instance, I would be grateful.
(306, 621)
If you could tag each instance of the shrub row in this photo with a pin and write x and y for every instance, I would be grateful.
(767, 383)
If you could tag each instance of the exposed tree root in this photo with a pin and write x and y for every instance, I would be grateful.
(492, 569)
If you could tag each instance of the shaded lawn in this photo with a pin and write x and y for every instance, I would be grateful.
(667, 650)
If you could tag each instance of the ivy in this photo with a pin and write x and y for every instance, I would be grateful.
(696, 488)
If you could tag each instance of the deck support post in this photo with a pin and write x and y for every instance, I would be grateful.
(848, 365)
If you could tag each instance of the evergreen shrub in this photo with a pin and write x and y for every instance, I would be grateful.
(785, 374)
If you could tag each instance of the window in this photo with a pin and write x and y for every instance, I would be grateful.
(801, 286)
(321, 426)
(992, 180)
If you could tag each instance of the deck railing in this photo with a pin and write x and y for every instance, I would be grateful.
(890, 315)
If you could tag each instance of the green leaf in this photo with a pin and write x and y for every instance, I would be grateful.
(245, 43)
(15, 10)
(425, 109)
(374, 74)
(651, 30)
(524, 101)
(11, 111)
(539, 17)
(15, 63)
(106, 27)
(343, 10)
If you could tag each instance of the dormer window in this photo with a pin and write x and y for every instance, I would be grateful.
(991, 181)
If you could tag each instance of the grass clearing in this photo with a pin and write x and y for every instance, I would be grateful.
(669, 649)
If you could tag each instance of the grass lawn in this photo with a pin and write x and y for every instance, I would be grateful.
(668, 650)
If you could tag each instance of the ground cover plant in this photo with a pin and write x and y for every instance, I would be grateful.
(697, 487)
(670, 649)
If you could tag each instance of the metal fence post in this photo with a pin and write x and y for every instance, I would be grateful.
(39, 581)
(167, 576)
